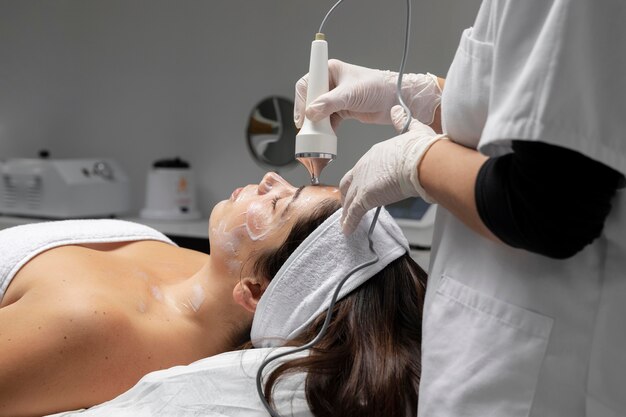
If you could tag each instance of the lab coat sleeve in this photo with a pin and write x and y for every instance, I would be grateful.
(558, 77)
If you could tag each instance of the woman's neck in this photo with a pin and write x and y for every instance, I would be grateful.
(205, 301)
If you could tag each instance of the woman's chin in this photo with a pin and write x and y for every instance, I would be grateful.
(216, 212)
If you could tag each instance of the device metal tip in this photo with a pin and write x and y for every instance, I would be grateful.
(314, 164)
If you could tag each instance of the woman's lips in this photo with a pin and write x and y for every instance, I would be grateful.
(235, 193)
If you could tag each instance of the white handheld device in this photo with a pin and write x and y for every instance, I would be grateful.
(316, 143)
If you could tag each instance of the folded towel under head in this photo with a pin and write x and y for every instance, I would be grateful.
(304, 285)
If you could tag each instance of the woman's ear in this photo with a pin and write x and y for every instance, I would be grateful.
(248, 292)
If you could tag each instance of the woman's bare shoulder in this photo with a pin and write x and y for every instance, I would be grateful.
(72, 338)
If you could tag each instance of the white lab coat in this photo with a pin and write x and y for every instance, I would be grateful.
(506, 332)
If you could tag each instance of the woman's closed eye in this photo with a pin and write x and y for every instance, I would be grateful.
(274, 201)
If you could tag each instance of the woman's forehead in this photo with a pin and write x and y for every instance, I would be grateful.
(309, 196)
(321, 191)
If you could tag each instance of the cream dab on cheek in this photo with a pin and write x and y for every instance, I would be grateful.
(258, 221)
(261, 221)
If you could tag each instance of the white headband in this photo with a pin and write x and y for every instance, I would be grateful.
(304, 285)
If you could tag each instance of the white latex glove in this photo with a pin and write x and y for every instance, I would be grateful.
(367, 95)
(388, 172)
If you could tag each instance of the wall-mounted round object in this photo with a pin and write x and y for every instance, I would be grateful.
(271, 133)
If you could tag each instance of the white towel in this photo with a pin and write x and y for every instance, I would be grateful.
(223, 385)
(20, 244)
(304, 285)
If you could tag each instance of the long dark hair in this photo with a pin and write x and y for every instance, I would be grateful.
(368, 362)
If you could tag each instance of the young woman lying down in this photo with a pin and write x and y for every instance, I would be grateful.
(89, 307)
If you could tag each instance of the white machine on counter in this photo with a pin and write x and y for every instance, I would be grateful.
(63, 188)
(170, 191)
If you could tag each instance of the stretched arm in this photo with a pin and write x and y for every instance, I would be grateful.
(448, 173)
(523, 199)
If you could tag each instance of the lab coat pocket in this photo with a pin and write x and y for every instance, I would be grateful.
(465, 100)
(481, 356)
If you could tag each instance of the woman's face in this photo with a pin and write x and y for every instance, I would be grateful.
(259, 217)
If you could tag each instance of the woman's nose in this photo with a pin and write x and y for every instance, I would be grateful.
(273, 181)
(268, 183)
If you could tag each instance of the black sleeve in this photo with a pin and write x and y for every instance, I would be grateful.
(545, 199)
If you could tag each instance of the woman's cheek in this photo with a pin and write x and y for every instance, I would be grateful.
(259, 221)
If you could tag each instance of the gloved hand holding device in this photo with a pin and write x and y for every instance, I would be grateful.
(367, 95)
(388, 172)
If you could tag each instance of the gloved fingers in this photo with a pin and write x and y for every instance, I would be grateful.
(298, 118)
(351, 220)
(351, 199)
(328, 103)
(338, 117)
(300, 95)
(334, 71)
(398, 119)
(344, 186)
(347, 194)
(370, 118)
(335, 120)
(367, 118)
(352, 217)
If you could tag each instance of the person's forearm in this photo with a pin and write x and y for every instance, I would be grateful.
(448, 174)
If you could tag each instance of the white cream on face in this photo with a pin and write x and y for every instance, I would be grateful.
(260, 216)
(258, 220)
(228, 241)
